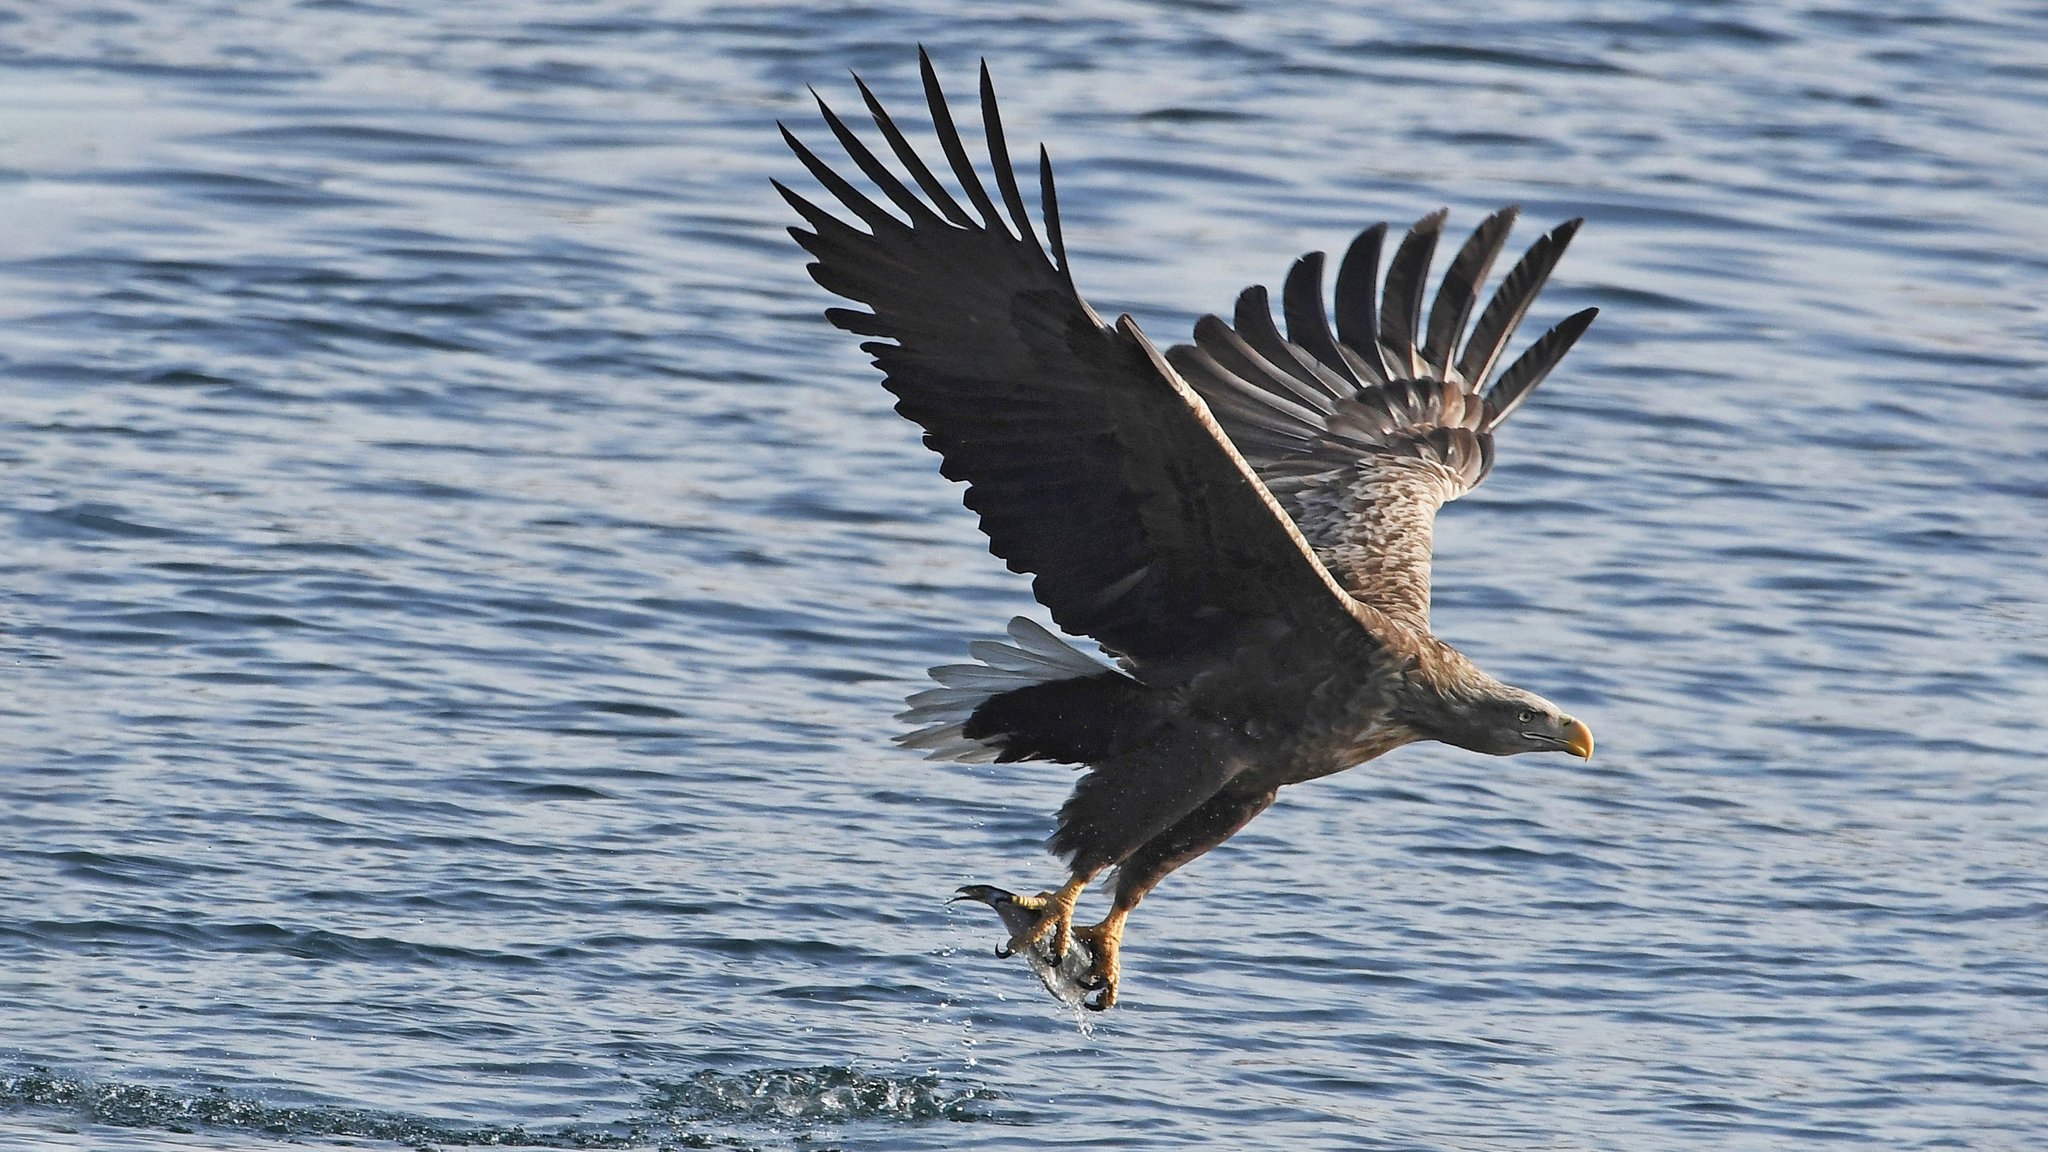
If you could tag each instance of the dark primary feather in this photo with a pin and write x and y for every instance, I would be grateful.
(1511, 302)
(1362, 436)
(1091, 465)
(950, 142)
(1319, 387)
(1407, 280)
(1532, 366)
(1358, 313)
(1308, 322)
(998, 151)
(1460, 291)
(908, 157)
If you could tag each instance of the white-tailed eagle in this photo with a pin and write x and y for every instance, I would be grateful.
(1242, 524)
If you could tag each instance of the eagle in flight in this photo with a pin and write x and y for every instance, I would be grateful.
(1242, 524)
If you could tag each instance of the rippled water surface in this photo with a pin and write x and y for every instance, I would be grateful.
(456, 588)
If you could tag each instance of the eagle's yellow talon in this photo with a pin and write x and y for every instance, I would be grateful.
(1055, 915)
(1105, 940)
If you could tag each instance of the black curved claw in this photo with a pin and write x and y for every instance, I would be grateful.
(1095, 1005)
(1004, 952)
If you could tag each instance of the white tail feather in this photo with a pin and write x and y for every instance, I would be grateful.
(1034, 656)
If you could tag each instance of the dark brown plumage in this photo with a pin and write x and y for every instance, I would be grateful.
(1243, 524)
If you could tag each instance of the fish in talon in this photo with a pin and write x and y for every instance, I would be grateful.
(1065, 976)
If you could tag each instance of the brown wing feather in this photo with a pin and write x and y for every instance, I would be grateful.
(1092, 465)
(1363, 475)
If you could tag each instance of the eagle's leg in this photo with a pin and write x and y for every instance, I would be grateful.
(1217, 820)
(1105, 940)
(1055, 915)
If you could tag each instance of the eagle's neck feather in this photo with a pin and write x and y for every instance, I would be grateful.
(1442, 691)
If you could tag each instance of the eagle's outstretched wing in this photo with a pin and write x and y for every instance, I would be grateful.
(1364, 432)
(1092, 465)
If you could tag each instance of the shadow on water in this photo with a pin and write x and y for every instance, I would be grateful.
(707, 1110)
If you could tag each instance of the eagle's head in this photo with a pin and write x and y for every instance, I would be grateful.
(1448, 698)
(1463, 706)
(1509, 720)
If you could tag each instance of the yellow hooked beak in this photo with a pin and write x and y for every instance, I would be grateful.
(1578, 739)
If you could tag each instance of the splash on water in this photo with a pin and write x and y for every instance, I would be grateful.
(699, 1112)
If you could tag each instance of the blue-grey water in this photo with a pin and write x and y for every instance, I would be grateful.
(454, 588)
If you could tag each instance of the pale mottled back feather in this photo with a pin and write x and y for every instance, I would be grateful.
(1363, 434)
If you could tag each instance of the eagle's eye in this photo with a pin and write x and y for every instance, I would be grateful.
(1525, 716)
